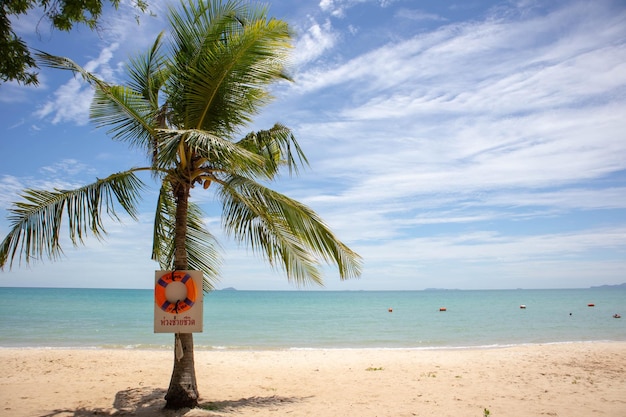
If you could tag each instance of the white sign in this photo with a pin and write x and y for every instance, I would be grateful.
(178, 301)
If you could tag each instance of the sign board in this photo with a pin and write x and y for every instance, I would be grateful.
(178, 301)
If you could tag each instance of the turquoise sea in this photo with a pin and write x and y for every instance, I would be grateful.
(258, 320)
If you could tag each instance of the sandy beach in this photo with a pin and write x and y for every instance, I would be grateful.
(578, 379)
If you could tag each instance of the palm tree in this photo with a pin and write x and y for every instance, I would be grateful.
(185, 110)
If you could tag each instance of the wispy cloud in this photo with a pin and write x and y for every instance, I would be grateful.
(334, 7)
(10, 187)
(417, 15)
(65, 174)
(469, 106)
(71, 101)
(120, 35)
(313, 42)
(67, 168)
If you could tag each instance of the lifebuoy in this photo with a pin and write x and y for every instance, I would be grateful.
(178, 306)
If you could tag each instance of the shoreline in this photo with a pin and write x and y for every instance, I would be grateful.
(574, 379)
(202, 348)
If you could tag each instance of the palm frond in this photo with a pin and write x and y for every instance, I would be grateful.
(148, 72)
(223, 67)
(163, 230)
(211, 148)
(278, 146)
(129, 113)
(62, 63)
(203, 251)
(36, 221)
(285, 231)
(129, 116)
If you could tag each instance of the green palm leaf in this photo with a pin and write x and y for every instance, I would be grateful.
(36, 221)
(209, 148)
(223, 65)
(128, 114)
(202, 248)
(286, 231)
(67, 64)
(278, 146)
(148, 72)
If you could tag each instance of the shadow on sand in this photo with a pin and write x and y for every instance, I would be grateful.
(149, 402)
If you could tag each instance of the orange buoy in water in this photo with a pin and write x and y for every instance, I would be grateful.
(442, 309)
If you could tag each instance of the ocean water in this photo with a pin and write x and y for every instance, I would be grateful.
(259, 320)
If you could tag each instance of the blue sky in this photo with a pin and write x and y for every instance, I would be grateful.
(453, 144)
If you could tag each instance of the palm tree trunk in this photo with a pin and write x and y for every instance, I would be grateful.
(183, 389)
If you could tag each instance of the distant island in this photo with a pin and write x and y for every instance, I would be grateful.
(229, 289)
(623, 285)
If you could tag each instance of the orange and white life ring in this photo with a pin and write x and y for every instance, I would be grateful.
(175, 306)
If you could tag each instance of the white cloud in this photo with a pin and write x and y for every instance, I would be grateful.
(338, 8)
(10, 187)
(316, 39)
(333, 7)
(65, 174)
(67, 168)
(72, 100)
(12, 92)
(415, 14)
(489, 245)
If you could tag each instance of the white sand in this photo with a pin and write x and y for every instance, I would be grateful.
(572, 380)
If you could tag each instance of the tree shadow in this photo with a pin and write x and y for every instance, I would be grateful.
(141, 402)
(150, 402)
(250, 402)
